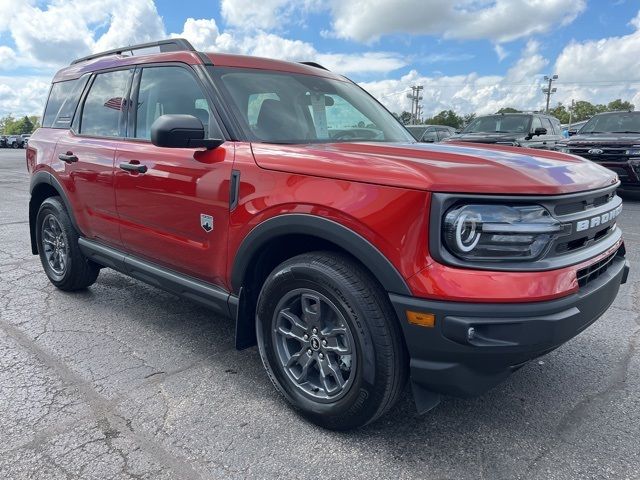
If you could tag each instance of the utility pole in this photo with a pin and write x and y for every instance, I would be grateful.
(415, 98)
(548, 90)
(573, 104)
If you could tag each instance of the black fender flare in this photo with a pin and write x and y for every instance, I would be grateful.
(329, 230)
(39, 178)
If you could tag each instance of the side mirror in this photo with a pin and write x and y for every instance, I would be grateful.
(572, 132)
(540, 131)
(181, 131)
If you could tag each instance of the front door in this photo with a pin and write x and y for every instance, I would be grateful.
(173, 203)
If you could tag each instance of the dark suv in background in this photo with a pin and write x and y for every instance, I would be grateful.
(533, 130)
(613, 140)
(430, 133)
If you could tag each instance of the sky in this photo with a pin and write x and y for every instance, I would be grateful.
(470, 55)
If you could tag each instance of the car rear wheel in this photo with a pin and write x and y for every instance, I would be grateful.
(330, 340)
(62, 260)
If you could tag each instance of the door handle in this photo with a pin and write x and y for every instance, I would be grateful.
(133, 167)
(68, 157)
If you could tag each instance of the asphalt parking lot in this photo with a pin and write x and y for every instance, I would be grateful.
(127, 381)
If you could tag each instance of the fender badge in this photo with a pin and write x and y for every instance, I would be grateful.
(206, 222)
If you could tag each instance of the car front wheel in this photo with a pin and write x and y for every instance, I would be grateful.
(62, 260)
(330, 340)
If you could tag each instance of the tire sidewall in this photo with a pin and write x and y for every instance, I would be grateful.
(360, 399)
(53, 207)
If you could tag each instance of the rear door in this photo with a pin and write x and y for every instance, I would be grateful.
(174, 202)
(84, 155)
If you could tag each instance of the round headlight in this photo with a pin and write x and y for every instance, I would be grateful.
(499, 232)
(467, 232)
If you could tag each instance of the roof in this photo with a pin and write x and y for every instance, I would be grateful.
(115, 58)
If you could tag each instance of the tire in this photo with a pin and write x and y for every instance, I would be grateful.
(58, 239)
(357, 339)
(14, 145)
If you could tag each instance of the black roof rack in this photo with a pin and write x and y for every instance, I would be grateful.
(170, 45)
(314, 64)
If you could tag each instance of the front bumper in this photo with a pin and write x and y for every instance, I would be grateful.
(474, 346)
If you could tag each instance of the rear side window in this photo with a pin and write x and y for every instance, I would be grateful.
(105, 102)
(60, 91)
(546, 123)
(68, 108)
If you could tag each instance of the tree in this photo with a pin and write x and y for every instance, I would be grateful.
(620, 105)
(508, 110)
(446, 117)
(560, 112)
(404, 117)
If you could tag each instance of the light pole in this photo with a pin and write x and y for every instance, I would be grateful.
(548, 90)
(415, 98)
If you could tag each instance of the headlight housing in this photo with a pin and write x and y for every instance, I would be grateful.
(563, 149)
(633, 152)
(499, 232)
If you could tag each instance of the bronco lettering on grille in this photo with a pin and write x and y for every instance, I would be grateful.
(598, 219)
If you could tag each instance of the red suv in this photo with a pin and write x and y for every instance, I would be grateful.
(285, 197)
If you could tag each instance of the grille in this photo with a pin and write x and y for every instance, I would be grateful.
(590, 273)
(609, 154)
(586, 207)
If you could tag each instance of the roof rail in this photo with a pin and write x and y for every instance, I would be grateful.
(170, 45)
(314, 64)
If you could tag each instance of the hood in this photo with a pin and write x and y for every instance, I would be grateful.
(604, 138)
(440, 167)
(486, 137)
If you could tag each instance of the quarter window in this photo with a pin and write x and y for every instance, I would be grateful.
(60, 91)
(105, 103)
(169, 90)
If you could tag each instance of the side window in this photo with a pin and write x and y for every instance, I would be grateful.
(443, 133)
(430, 135)
(60, 91)
(68, 108)
(102, 110)
(535, 123)
(546, 123)
(557, 128)
(169, 90)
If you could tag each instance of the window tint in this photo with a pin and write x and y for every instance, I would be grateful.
(304, 108)
(430, 136)
(546, 123)
(68, 108)
(104, 104)
(168, 90)
(535, 123)
(59, 93)
(499, 124)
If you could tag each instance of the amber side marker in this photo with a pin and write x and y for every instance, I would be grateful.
(421, 319)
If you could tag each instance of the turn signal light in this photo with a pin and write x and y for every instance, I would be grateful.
(421, 319)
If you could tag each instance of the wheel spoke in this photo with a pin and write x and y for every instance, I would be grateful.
(291, 325)
(336, 346)
(302, 359)
(330, 375)
(311, 308)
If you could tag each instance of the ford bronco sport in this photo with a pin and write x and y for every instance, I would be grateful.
(353, 260)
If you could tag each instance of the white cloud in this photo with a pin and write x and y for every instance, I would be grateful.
(499, 20)
(501, 52)
(249, 14)
(22, 95)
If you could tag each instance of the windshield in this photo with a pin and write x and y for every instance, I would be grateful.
(499, 124)
(283, 107)
(621, 122)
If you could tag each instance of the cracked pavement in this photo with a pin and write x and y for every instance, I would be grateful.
(126, 381)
